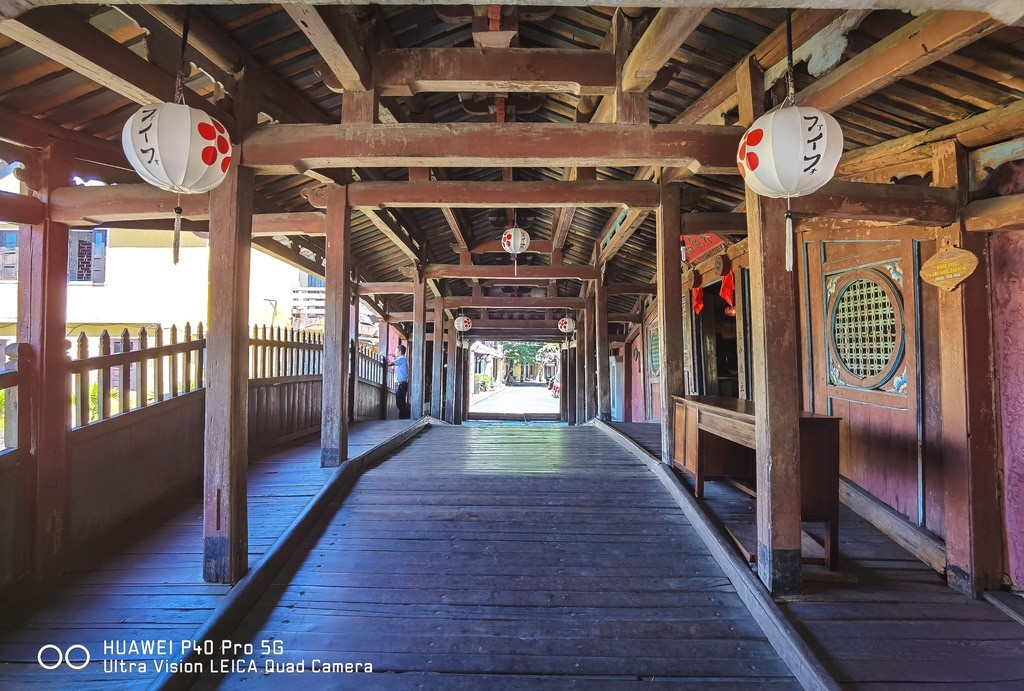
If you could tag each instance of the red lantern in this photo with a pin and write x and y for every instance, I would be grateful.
(730, 311)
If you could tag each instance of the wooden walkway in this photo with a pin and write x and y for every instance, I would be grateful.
(899, 623)
(527, 557)
(146, 582)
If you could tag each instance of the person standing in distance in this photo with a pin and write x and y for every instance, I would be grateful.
(401, 365)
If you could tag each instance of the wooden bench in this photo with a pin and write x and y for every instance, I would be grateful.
(715, 439)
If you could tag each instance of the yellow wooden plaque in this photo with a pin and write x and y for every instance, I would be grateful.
(949, 267)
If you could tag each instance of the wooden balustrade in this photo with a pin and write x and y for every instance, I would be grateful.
(136, 376)
(275, 352)
(146, 371)
(12, 382)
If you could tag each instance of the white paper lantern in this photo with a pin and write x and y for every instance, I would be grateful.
(463, 324)
(566, 325)
(515, 240)
(177, 148)
(790, 152)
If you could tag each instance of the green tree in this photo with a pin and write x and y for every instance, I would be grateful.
(528, 352)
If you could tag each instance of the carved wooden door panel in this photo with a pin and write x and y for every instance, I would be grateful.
(864, 362)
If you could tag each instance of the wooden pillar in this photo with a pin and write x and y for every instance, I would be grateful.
(741, 333)
(630, 107)
(451, 373)
(337, 330)
(467, 382)
(590, 376)
(776, 374)
(353, 353)
(670, 311)
(580, 380)
(418, 356)
(460, 390)
(225, 518)
(42, 325)
(383, 348)
(570, 384)
(437, 381)
(970, 446)
(604, 388)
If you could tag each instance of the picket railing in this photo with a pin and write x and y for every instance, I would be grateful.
(148, 370)
(142, 373)
(276, 352)
(11, 386)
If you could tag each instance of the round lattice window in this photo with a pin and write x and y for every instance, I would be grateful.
(867, 329)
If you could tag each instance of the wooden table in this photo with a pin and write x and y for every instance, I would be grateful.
(714, 438)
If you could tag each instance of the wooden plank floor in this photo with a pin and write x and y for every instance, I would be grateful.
(899, 624)
(511, 557)
(148, 584)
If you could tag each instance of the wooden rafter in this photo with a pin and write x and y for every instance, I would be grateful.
(63, 36)
(579, 273)
(926, 39)
(335, 35)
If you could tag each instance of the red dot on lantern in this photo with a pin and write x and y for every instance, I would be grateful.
(224, 164)
(206, 131)
(743, 151)
(754, 137)
(220, 127)
(743, 169)
(209, 155)
(752, 160)
(222, 145)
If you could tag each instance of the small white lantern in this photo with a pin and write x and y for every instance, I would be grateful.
(515, 240)
(463, 324)
(177, 148)
(566, 325)
(790, 152)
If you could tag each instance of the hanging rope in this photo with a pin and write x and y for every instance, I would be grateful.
(790, 100)
(179, 78)
(179, 98)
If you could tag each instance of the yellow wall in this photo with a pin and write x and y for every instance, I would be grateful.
(143, 286)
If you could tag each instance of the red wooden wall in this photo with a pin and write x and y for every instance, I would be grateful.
(635, 407)
(1008, 307)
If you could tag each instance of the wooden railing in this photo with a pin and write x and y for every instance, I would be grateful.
(141, 374)
(148, 370)
(276, 352)
(370, 366)
(11, 386)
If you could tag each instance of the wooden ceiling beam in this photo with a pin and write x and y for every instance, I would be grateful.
(289, 255)
(724, 223)
(485, 195)
(618, 234)
(512, 303)
(875, 202)
(336, 37)
(929, 38)
(996, 214)
(494, 247)
(722, 95)
(281, 101)
(65, 37)
(660, 41)
(386, 288)
(408, 71)
(625, 318)
(286, 149)
(576, 272)
(21, 209)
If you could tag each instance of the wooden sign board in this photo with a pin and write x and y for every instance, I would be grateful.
(949, 267)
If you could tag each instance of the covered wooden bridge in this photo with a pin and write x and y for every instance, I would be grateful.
(759, 476)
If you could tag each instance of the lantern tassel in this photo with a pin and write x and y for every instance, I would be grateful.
(789, 238)
(176, 243)
(515, 264)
